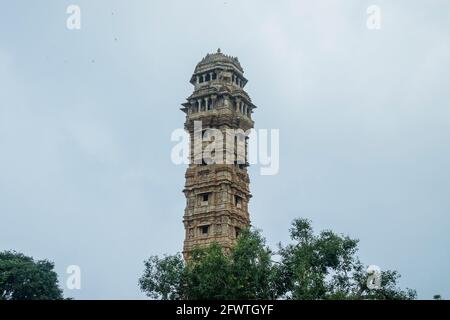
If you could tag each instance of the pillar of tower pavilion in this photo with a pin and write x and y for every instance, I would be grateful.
(217, 193)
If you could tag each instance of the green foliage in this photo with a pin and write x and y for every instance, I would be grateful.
(252, 273)
(22, 278)
(323, 266)
(245, 273)
(388, 290)
(317, 267)
(207, 276)
(162, 277)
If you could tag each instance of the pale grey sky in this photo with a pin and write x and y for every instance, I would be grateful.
(86, 117)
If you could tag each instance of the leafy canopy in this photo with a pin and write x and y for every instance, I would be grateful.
(22, 278)
(323, 266)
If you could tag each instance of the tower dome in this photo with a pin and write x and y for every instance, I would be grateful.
(218, 58)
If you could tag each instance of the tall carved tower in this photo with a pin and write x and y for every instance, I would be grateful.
(217, 194)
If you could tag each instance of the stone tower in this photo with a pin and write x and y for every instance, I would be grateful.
(217, 194)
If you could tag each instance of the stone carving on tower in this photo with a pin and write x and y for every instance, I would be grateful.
(217, 193)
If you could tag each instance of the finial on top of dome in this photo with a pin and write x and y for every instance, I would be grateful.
(219, 51)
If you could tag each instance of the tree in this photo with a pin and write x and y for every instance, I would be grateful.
(162, 277)
(207, 275)
(22, 278)
(252, 271)
(245, 273)
(323, 266)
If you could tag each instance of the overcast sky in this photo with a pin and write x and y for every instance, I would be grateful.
(86, 117)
